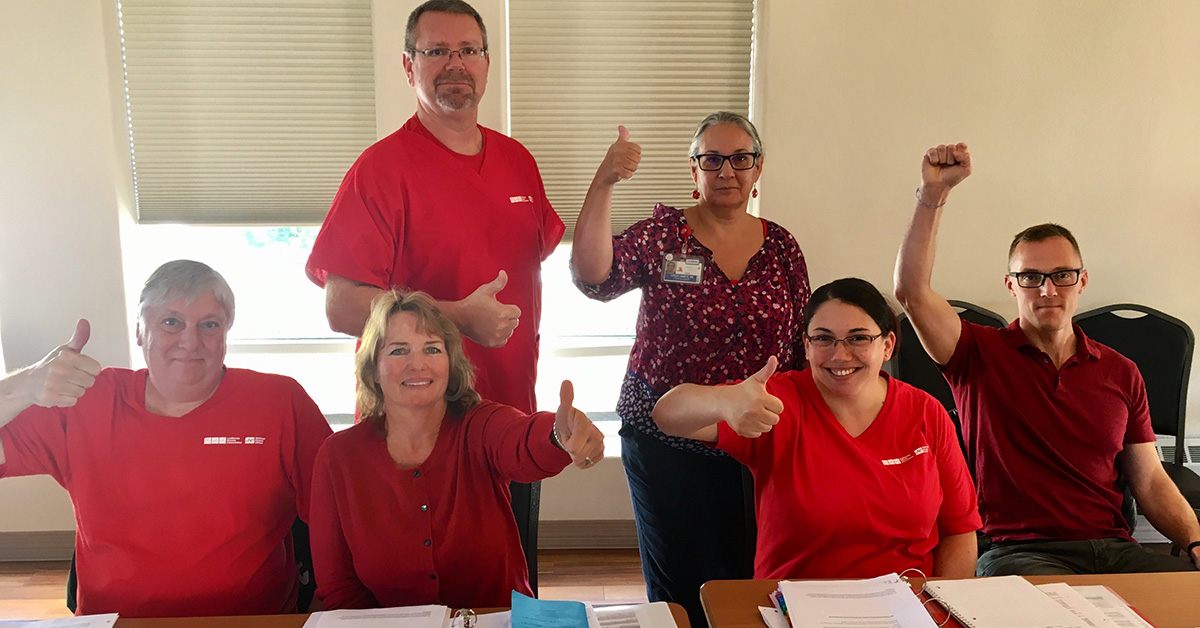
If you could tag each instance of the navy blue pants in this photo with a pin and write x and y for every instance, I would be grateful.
(695, 519)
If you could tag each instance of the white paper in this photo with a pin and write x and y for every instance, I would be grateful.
(883, 602)
(1113, 607)
(652, 615)
(83, 621)
(432, 616)
(1079, 606)
(1001, 602)
(772, 617)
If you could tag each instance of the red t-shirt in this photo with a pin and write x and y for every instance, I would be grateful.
(833, 506)
(182, 516)
(1045, 440)
(441, 533)
(410, 213)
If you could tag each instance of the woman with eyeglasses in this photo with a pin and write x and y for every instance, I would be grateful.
(722, 291)
(856, 474)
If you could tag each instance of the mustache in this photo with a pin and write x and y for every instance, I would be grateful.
(454, 76)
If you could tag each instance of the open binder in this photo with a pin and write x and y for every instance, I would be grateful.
(998, 602)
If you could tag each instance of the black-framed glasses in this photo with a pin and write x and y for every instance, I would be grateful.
(738, 161)
(1060, 278)
(466, 53)
(854, 341)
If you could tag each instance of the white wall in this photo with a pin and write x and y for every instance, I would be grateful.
(59, 247)
(1083, 113)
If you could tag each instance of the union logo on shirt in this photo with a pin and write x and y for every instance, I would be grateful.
(923, 449)
(520, 199)
(234, 440)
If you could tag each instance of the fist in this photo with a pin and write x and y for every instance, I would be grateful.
(622, 159)
(945, 166)
(61, 378)
(753, 411)
(578, 435)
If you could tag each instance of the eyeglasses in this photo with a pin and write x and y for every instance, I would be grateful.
(854, 341)
(466, 53)
(737, 161)
(1060, 278)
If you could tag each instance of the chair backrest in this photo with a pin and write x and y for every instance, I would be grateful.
(526, 505)
(1161, 346)
(913, 366)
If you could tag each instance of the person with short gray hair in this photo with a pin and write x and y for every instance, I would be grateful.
(185, 476)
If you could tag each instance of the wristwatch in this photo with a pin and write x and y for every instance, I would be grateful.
(1191, 546)
(558, 443)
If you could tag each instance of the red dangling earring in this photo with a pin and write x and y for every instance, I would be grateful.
(754, 193)
(696, 194)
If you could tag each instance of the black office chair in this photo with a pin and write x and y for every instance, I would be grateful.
(1161, 346)
(302, 552)
(526, 503)
(912, 365)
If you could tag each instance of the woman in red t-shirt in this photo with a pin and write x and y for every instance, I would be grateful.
(856, 474)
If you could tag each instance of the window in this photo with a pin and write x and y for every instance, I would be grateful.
(245, 112)
(580, 68)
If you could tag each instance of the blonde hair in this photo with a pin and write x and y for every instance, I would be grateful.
(460, 394)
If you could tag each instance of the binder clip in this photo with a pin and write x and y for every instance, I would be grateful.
(466, 617)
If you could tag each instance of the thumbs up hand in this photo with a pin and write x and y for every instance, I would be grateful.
(61, 378)
(622, 159)
(577, 434)
(484, 319)
(751, 410)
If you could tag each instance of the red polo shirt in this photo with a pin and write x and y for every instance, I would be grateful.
(1045, 440)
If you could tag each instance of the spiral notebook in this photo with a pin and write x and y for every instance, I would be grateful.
(1000, 602)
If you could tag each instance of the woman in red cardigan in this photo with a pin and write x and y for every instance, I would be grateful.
(411, 506)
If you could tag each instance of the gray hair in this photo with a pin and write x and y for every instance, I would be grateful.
(184, 279)
(458, 7)
(722, 117)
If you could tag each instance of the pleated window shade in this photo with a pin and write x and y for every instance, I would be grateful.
(579, 68)
(245, 111)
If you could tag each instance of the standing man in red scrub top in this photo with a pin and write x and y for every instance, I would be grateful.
(449, 207)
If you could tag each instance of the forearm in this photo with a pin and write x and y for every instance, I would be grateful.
(348, 304)
(1169, 512)
(15, 395)
(592, 250)
(955, 556)
(914, 263)
(692, 411)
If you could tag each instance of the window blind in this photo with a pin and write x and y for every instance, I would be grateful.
(245, 111)
(580, 68)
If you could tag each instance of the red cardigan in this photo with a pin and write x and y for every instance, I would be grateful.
(440, 533)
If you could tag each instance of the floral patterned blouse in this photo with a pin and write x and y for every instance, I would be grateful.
(714, 332)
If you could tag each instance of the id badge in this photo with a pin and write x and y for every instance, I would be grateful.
(678, 268)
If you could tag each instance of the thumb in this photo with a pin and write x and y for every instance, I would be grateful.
(566, 398)
(83, 331)
(766, 371)
(622, 133)
(497, 284)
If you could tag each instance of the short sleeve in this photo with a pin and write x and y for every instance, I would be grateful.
(35, 443)
(959, 511)
(1139, 429)
(956, 368)
(358, 240)
(636, 255)
(552, 226)
(310, 431)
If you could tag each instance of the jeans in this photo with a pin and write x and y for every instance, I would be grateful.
(1074, 557)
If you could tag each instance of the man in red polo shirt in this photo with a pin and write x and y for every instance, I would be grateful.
(1049, 416)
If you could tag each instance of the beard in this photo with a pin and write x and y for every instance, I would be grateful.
(455, 97)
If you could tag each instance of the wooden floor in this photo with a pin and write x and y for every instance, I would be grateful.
(36, 590)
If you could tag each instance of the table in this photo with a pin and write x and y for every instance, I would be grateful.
(291, 621)
(1167, 600)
